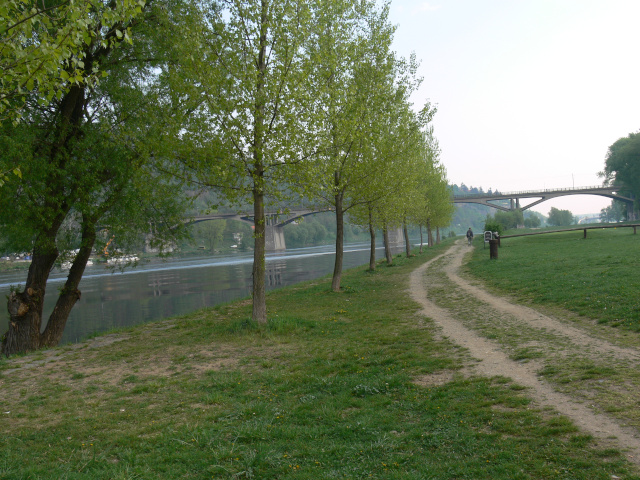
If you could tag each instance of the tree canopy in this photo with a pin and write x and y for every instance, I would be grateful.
(616, 212)
(560, 218)
(622, 165)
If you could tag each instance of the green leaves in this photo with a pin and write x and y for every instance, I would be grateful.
(41, 48)
(4, 177)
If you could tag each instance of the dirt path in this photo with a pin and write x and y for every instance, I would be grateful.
(457, 323)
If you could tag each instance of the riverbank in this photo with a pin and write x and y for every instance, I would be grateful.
(351, 385)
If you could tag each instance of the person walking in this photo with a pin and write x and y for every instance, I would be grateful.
(469, 235)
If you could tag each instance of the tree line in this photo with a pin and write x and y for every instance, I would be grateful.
(110, 111)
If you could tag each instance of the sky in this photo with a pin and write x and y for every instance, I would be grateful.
(530, 93)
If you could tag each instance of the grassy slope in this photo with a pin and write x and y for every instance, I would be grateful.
(595, 277)
(350, 385)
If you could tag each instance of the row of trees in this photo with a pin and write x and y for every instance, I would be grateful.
(502, 220)
(463, 189)
(258, 99)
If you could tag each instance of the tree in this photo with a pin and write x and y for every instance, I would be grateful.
(43, 46)
(560, 218)
(211, 233)
(616, 212)
(92, 164)
(532, 221)
(247, 130)
(622, 165)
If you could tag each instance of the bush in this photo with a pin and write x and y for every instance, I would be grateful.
(493, 227)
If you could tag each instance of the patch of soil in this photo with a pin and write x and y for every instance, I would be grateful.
(435, 379)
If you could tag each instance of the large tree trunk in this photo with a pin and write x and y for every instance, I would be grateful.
(438, 235)
(25, 308)
(337, 268)
(387, 246)
(407, 243)
(420, 238)
(372, 234)
(69, 294)
(429, 234)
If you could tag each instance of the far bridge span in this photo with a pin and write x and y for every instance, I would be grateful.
(277, 220)
(540, 196)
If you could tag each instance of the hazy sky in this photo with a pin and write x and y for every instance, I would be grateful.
(530, 93)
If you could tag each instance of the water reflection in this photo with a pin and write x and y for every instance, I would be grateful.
(274, 273)
(163, 289)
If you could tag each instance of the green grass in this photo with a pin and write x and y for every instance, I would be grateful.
(596, 277)
(350, 385)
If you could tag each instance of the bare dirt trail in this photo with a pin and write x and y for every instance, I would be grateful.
(493, 358)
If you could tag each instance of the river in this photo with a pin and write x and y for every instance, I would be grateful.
(160, 289)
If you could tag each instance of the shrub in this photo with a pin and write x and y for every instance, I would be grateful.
(492, 226)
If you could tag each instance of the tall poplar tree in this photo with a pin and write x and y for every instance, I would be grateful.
(249, 126)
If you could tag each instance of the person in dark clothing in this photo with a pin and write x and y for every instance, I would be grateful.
(469, 235)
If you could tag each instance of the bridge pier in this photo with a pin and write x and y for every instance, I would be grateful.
(274, 238)
(396, 237)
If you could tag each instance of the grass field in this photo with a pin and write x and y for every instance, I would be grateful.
(596, 277)
(353, 385)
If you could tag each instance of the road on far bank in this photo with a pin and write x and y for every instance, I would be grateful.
(586, 376)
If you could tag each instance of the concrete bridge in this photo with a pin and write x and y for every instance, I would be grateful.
(277, 220)
(540, 196)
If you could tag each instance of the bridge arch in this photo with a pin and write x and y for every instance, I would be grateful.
(276, 221)
(274, 218)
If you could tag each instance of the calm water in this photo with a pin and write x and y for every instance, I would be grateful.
(160, 289)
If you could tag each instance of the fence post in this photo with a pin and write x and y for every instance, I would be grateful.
(493, 249)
